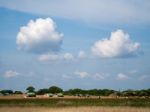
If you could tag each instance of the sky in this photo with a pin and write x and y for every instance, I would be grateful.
(75, 44)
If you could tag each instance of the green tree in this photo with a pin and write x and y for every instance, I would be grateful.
(55, 89)
(42, 91)
(18, 92)
(129, 93)
(6, 92)
(30, 89)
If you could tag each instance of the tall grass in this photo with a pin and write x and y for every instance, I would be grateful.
(62, 102)
(74, 109)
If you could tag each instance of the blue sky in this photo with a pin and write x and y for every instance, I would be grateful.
(74, 44)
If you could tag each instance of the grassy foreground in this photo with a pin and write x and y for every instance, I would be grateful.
(74, 109)
(62, 102)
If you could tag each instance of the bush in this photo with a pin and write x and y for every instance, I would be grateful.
(18, 92)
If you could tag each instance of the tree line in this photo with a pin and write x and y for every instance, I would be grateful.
(77, 91)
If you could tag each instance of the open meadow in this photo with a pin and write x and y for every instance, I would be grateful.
(66, 104)
(74, 109)
(73, 102)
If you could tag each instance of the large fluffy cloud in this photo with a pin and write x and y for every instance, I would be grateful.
(39, 36)
(118, 45)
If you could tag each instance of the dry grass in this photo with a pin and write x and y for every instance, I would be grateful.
(74, 109)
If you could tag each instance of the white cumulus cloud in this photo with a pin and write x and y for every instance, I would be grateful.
(118, 45)
(39, 36)
(10, 73)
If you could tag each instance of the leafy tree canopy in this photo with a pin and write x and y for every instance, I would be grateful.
(55, 89)
(30, 89)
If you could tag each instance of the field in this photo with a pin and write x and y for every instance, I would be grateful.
(74, 109)
(70, 104)
(62, 102)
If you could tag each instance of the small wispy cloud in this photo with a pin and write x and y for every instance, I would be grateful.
(144, 77)
(91, 11)
(98, 76)
(82, 74)
(56, 57)
(48, 57)
(51, 57)
(68, 56)
(65, 76)
(81, 55)
(95, 76)
(10, 74)
(133, 71)
(122, 77)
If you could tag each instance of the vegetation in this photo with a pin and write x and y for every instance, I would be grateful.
(129, 98)
(107, 92)
(74, 109)
(95, 92)
(65, 102)
(81, 92)
(55, 89)
(18, 92)
(6, 92)
(42, 91)
(30, 89)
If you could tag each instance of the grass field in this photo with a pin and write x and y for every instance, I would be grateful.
(19, 104)
(72, 102)
(74, 109)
